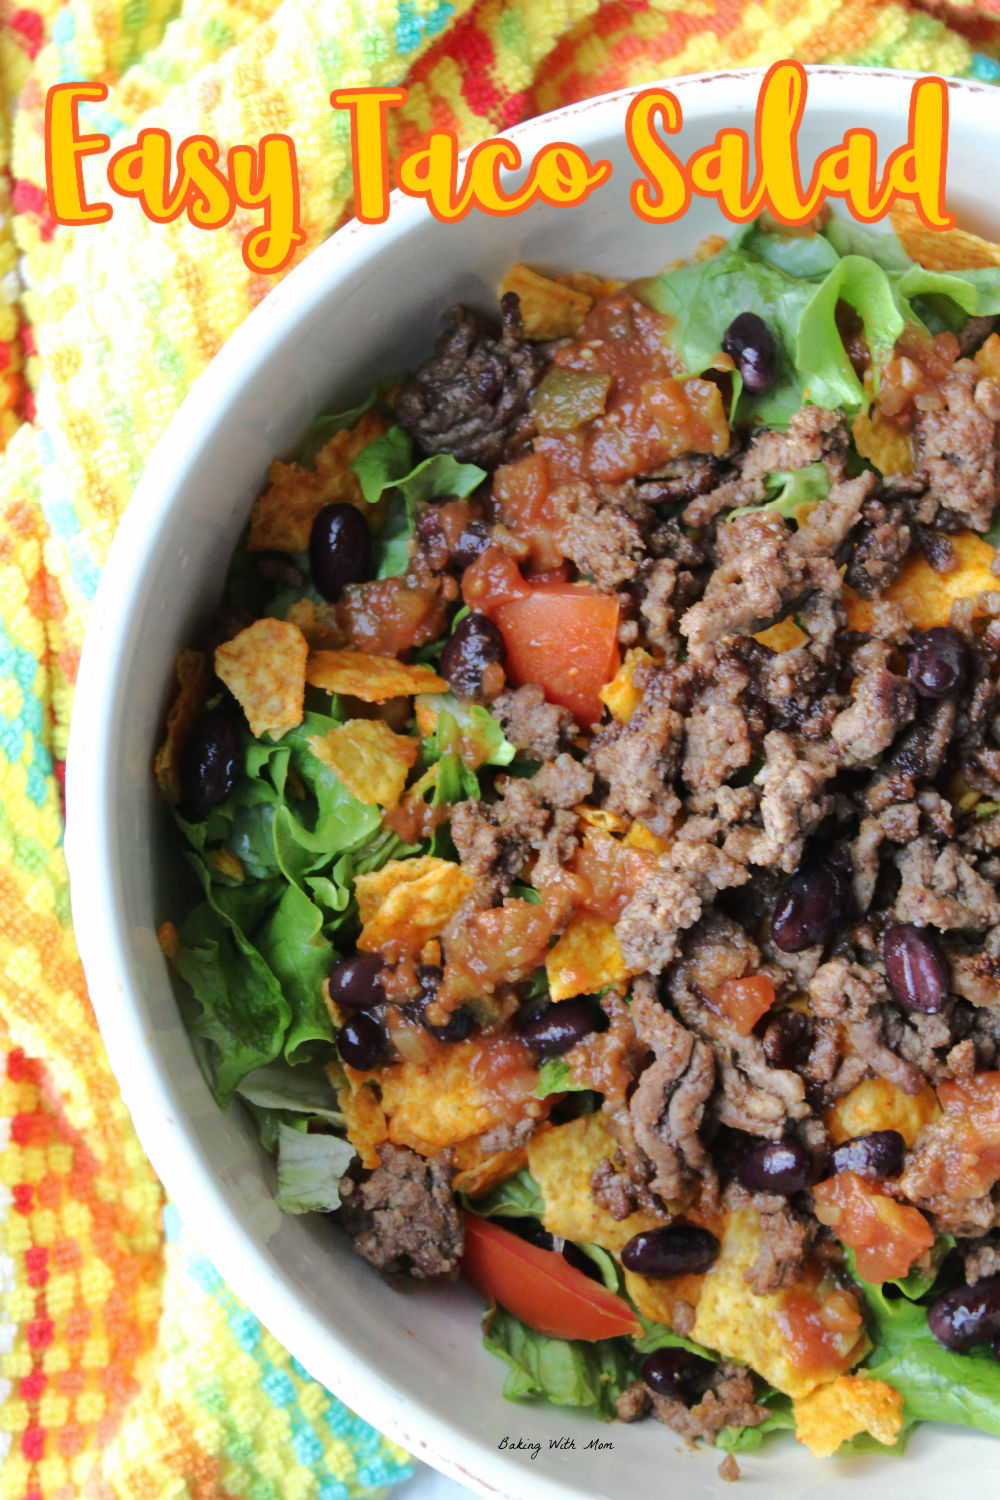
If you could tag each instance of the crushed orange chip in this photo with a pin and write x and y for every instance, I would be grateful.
(562, 1161)
(225, 862)
(621, 695)
(282, 516)
(364, 1119)
(317, 623)
(927, 596)
(193, 676)
(169, 940)
(453, 1096)
(940, 249)
(889, 449)
(368, 758)
(846, 1406)
(478, 1172)
(641, 837)
(988, 357)
(373, 679)
(264, 667)
(585, 959)
(409, 901)
(590, 285)
(602, 818)
(748, 1328)
(550, 309)
(877, 1104)
(784, 636)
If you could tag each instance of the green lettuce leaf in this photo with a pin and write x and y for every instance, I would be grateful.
(659, 1336)
(519, 1197)
(293, 945)
(465, 721)
(828, 377)
(554, 1077)
(749, 1439)
(792, 492)
(936, 1384)
(303, 1090)
(309, 1170)
(565, 1372)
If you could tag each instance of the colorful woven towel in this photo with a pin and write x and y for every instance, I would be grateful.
(127, 1369)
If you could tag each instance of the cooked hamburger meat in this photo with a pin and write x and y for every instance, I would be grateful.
(958, 446)
(472, 399)
(403, 1216)
(727, 1402)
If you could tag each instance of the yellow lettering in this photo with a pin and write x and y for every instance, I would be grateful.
(368, 108)
(664, 193)
(64, 148)
(268, 179)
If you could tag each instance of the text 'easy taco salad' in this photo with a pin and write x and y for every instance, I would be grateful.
(592, 780)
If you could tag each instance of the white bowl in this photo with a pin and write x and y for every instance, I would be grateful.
(365, 303)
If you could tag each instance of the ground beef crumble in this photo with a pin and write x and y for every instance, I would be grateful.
(403, 1215)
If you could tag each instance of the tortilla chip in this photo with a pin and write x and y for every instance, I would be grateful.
(562, 1162)
(479, 1173)
(282, 516)
(927, 596)
(591, 286)
(169, 940)
(585, 959)
(784, 636)
(641, 837)
(318, 623)
(876, 1104)
(621, 695)
(878, 440)
(264, 667)
(550, 309)
(669, 1301)
(193, 676)
(988, 357)
(368, 759)
(453, 1096)
(748, 1327)
(225, 862)
(601, 818)
(364, 1119)
(848, 1405)
(409, 901)
(940, 249)
(373, 679)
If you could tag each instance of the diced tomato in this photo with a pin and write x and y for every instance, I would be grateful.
(612, 872)
(523, 492)
(966, 1158)
(886, 1236)
(540, 1287)
(744, 1001)
(565, 638)
(492, 580)
(504, 943)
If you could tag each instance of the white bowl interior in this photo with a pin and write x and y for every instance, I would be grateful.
(365, 304)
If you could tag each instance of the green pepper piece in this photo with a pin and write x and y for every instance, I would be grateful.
(566, 399)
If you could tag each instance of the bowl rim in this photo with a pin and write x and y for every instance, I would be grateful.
(167, 1137)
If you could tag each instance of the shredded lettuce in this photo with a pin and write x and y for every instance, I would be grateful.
(309, 1170)
(554, 1077)
(565, 1372)
(519, 1197)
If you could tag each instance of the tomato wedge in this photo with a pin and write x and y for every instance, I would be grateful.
(540, 1287)
(564, 636)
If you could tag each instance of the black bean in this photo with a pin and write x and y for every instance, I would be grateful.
(357, 982)
(939, 662)
(340, 550)
(916, 968)
(471, 544)
(677, 1373)
(783, 1166)
(362, 1042)
(878, 1154)
(461, 1021)
(475, 645)
(557, 1028)
(966, 1316)
(676, 1249)
(209, 761)
(787, 1038)
(810, 905)
(750, 345)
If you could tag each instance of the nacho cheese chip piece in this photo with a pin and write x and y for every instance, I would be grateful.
(550, 309)
(848, 1405)
(940, 249)
(282, 517)
(562, 1162)
(585, 959)
(368, 758)
(364, 1118)
(753, 1329)
(264, 667)
(784, 636)
(193, 677)
(621, 695)
(927, 596)
(479, 1172)
(409, 901)
(890, 450)
(318, 623)
(373, 679)
(876, 1104)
